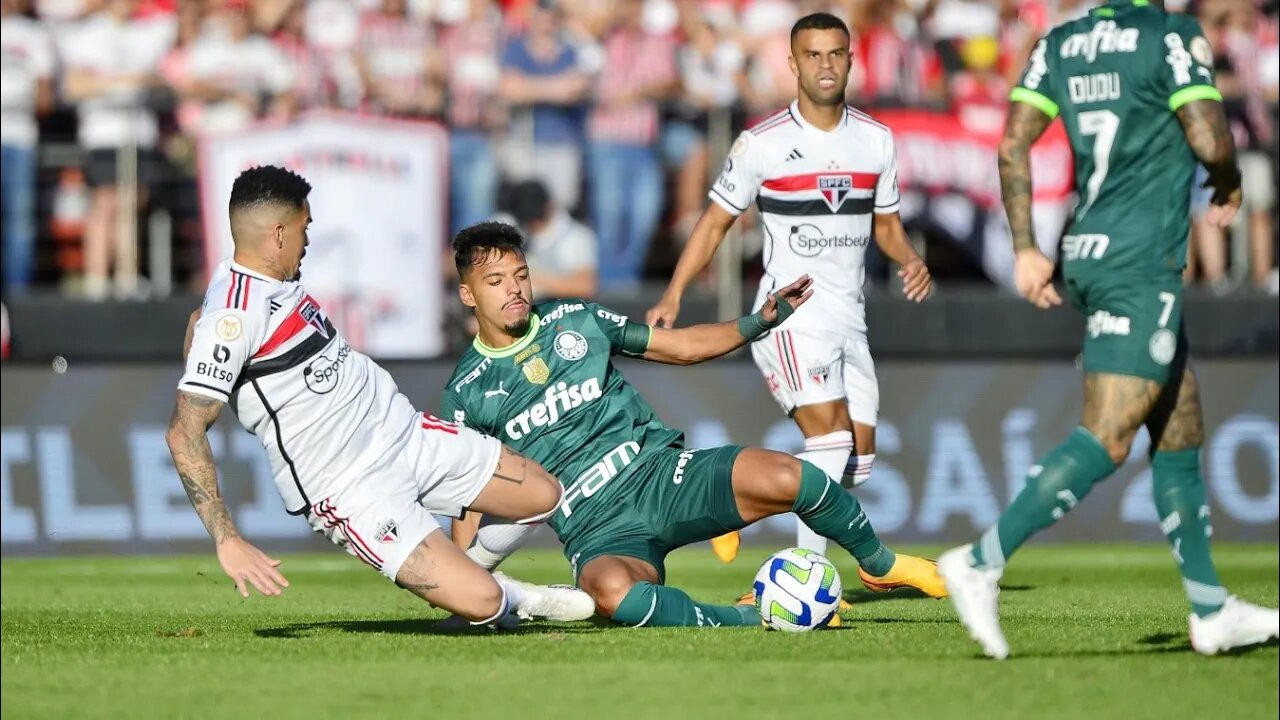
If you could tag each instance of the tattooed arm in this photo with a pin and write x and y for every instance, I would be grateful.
(1032, 271)
(1204, 122)
(1023, 126)
(189, 444)
(188, 441)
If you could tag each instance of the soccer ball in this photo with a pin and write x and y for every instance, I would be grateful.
(797, 590)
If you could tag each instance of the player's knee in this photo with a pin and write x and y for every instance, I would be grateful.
(609, 590)
(484, 603)
(776, 478)
(1116, 444)
(1117, 448)
(544, 495)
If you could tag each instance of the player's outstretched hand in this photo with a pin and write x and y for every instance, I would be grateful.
(664, 313)
(1033, 275)
(243, 563)
(1223, 207)
(794, 295)
(916, 281)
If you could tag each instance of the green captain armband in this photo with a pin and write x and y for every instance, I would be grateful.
(754, 325)
(635, 339)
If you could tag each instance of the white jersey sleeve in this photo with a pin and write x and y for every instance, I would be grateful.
(738, 184)
(221, 345)
(887, 199)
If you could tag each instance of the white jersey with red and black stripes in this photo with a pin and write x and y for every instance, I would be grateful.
(816, 191)
(326, 413)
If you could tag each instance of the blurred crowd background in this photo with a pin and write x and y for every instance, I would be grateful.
(596, 125)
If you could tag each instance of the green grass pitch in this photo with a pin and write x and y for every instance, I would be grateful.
(1096, 631)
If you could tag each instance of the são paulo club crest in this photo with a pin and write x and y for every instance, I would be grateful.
(834, 189)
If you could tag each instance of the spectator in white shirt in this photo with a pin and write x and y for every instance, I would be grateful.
(26, 90)
(237, 74)
(112, 62)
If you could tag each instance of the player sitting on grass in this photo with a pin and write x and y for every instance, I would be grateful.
(542, 379)
(348, 452)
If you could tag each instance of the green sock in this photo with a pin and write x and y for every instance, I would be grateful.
(649, 605)
(1054, 486)
(832, 512)
(1184, 519)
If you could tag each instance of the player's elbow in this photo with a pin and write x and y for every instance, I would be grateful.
(1011, 151)
(176, 437)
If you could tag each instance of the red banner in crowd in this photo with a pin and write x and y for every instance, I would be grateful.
(937, 154)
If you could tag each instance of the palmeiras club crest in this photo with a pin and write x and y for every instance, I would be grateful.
(834, 189)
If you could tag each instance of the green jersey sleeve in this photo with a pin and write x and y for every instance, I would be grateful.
(625, 337)
(1039, 84)
(1188, 62)
(452, 407)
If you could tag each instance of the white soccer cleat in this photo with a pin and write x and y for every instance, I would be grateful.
(562, 603)
(973, 592)
(1237, 624)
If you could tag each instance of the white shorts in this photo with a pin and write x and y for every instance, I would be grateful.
(383, 515)
(808, 367)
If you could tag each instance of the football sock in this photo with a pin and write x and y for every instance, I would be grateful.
(1184, 519)
(496, 540)
(827, 509)
(512, 597)
(649, 605)
(1054, 486)
(858, 469)
(830, 453)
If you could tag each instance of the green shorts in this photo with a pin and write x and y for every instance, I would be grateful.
(1133, 326)
(672, 499)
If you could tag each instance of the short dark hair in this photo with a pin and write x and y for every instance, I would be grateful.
(474, 243)
(529, 201)
(268, 185)
(819, 21)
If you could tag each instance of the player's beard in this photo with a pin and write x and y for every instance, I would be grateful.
(518, 328)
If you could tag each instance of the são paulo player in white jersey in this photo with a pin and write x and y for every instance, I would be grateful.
(824, 177)
(347, 450)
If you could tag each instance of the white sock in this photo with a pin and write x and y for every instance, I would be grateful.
(830, 453)
(496, 540)
(511, 598)
(859, 468)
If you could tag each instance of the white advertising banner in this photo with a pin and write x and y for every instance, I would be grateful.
(378, 200)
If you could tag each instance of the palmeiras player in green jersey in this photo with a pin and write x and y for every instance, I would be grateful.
(541, 378)
(1134, 88)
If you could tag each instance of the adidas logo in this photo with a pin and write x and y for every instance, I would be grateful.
(795, 155)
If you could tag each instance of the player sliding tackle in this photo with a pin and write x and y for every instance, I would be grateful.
(541, 378)
(347, 450)
(1134, 86)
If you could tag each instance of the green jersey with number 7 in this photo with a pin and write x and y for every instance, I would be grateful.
(1117, 76)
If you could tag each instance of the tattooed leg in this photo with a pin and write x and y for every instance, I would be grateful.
(519, 490)
(1180, 426)
(1114, 408)
(438, 572)
(512, 467)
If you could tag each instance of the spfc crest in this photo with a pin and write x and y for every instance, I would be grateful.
(536, 371)
(309, 311)
(388, 533)
(834, 189)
